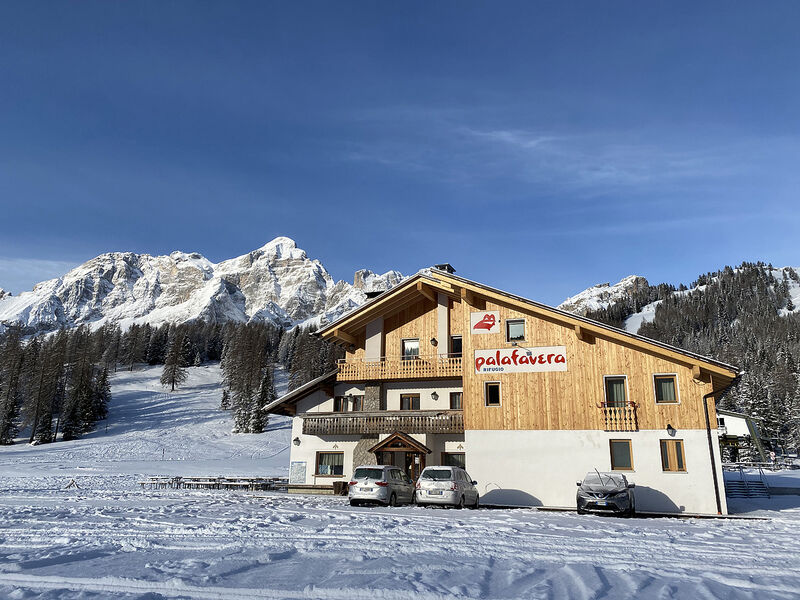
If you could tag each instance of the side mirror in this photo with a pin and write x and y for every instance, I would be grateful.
(631, 486)
(578, 483)
(474, 482)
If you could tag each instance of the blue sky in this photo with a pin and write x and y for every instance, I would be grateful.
(537, 147)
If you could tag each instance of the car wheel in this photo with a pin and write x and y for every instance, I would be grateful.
(460, 504)
(392, 500)
(414, 498)
(477, 501)
(581, 511)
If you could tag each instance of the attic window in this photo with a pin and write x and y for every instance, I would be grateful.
(515, 330)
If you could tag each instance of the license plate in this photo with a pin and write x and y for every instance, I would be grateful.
(601, 503)
(435, 493)
(365, 489)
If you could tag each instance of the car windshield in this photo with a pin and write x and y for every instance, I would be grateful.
(604, 480)
(437, 474)
(362, 473)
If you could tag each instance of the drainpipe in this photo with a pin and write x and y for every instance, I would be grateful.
(711, 443)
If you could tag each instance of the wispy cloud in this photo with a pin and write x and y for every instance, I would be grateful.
(21, 274)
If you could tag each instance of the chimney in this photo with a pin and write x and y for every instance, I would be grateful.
(446, 267)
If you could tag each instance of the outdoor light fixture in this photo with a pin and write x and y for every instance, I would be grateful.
(671, 430)
(434, 342)
(296, 441)
(434, 396)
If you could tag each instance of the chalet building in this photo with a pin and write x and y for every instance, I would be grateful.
(441, 370)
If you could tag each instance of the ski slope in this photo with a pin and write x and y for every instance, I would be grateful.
(150, 431)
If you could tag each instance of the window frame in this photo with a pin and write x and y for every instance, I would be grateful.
(611, 442)
(411, 403)
(672, 446)
(460, 400)
(342, 400)
(317, 461)
(605, 390)
(674, 377)
(524, 329)
(358, 401)
(486, 385)
(453, 353)
(403, 349)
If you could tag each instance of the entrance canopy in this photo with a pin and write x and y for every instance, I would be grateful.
(400, 442)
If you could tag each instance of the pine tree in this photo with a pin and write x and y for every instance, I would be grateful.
(11, 367)
(174, 373)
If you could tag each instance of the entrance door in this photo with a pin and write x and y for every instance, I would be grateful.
(414, 463)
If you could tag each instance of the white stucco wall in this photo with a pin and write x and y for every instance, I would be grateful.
(735, 425)
(392, 392)
(540, 468)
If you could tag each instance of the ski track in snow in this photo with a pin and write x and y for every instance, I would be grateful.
(111, 539)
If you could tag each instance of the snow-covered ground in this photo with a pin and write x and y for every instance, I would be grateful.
(111, 539)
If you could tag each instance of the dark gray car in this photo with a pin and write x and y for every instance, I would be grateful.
(606, 493)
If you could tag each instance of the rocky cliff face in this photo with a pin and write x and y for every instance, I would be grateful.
(277, 282)
(602, 295)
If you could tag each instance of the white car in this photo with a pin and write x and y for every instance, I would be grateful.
(447, 486)
(380, 484)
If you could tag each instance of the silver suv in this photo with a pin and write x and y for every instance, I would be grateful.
(447, 485)
(380, 484)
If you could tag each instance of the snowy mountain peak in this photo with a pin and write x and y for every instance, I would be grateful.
(602, 295)
(4, 294)
(277, 282)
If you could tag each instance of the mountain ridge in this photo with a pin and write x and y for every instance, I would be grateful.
(277, 282)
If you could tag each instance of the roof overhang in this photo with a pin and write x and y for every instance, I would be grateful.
(285, 405)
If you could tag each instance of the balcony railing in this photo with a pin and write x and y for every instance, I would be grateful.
(620, 417)
(419, 367)
(406, 421)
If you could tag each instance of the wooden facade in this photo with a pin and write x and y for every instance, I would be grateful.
(573, 399)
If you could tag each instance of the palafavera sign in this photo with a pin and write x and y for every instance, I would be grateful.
(521, 360)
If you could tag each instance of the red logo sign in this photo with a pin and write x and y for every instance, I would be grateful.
(487, 322)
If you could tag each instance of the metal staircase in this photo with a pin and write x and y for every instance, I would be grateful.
(747, 488)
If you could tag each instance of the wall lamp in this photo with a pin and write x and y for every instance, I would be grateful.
(434, 342)
(296, 441)
(434, 396)
(671, 431)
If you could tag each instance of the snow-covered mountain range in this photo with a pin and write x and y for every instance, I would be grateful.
(277, 282)
(602, 295)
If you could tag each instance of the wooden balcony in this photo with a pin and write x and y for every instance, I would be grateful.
(406, 421)
(620, 418)
(421, 367)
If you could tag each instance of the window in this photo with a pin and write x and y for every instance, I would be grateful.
(666, 387)
(410, 349)
(330, 464)
(409, 401)
(491, 393)
(340, 404)
(616, 393)
(454, 459)
(456, 401)
(672, 455)
(621, 455)
(455, 346)
(358, 404)
(515, 330)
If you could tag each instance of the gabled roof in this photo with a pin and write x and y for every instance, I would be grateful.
(430, 281)
(280, 406)
(395, 440)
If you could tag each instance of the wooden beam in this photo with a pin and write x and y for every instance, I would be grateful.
(344, 336)
(583, 335)
(425, 291)
(697, 373)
